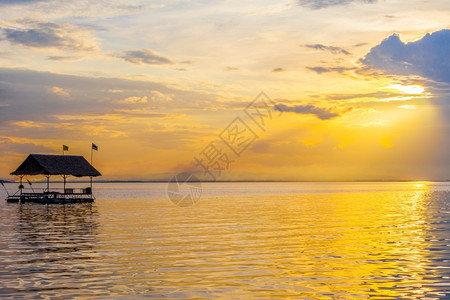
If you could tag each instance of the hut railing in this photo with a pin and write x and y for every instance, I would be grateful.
(68, 191)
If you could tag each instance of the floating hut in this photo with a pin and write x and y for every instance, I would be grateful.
(49, 165)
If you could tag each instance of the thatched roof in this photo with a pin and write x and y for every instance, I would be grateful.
(37, 164)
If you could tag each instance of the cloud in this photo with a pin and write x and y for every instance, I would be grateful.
(60, 9)
(428, 57)
(63, 58)
(272, 10)
(59, 91)
(158, 97)
(230, 69)
(407, 106)
(21, 146)
(33, 34)
(375, 97)
(114, 91)
(144, 56)
(370, 96)
(27, 124)
(30, 95)
(154, 98)
(319, 112)
(318, 4)
(17, 2)
(320, 70)
(332, 49)
(134, 100)
(277, 70)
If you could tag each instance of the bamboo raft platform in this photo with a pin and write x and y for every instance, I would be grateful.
(50, 197)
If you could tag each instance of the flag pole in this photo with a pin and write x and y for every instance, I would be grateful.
(92, 154)
(65, 148)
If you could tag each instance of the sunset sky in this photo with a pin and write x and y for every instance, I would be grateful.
(363, 85)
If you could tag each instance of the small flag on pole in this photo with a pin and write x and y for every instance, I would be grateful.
(94, 147)
(65, 148)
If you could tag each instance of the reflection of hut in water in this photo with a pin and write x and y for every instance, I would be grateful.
(60, 228)
(52, 250)
(48, 165)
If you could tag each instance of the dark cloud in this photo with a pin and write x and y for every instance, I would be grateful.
(318, 4)
(50, 35)
(321, 70)
(39, 38)
(145, 56)
(27, 95)
(332, 49)
(9, 145)
(320, 112)
(277, 70)
(428, 57)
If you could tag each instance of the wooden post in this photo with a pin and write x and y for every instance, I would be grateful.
(20, 184)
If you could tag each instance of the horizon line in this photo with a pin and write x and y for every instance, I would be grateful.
(226, 181)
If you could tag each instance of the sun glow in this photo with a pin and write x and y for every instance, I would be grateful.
(414, 89)
(407, 106)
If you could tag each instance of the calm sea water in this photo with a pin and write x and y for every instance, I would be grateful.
(240, 241)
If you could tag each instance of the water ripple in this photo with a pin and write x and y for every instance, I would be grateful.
(340, 244)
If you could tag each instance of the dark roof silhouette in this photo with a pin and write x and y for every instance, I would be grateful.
(37, 164)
